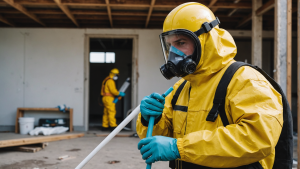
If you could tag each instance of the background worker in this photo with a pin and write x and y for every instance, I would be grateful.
(200, 54)
(108, 93)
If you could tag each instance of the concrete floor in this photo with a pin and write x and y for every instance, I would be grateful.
(123, 149)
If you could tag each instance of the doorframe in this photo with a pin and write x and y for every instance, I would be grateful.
(134, 75)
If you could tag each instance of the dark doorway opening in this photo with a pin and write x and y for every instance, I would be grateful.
(104, 55)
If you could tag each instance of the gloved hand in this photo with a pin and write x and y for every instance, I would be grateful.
(152, 105)
(122, 94)
(158, 148)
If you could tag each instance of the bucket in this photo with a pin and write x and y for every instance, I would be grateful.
(26, 124)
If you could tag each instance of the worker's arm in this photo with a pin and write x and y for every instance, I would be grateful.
(163, 124)
(112, 87)
(255, 109)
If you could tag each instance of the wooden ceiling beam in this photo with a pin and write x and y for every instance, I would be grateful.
(4, 20)
(149, 13)
(109, 13)
(265, 8)
(232, 12)
(66, 11)
(212, 2)
(260, 11)
(24, 11)
(245, 20)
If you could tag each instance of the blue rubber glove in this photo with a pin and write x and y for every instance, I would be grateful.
(122, 94)
(152, 105)
(158, 148)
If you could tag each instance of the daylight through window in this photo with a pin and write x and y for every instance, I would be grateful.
(102, 57)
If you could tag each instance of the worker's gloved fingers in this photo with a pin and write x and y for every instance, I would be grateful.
(146, 154)
(121, 94)
(158, 97)
(150, 160)
(153, 101)
(145, 149)
(144, 141)
(151, 107)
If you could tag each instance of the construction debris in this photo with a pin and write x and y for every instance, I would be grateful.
(65, 157)
(113, 162)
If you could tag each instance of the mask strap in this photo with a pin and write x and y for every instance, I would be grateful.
(206, 27)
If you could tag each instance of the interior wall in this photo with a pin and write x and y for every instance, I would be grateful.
(44, 67)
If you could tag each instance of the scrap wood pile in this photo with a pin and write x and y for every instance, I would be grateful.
(34, 144)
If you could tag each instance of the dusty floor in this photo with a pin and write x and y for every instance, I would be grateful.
(123, 149)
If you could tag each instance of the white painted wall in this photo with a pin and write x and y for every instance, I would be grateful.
(45, 68)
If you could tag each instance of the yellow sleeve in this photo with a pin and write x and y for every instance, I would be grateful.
(255, 113)
(164, 126)
(112, 87)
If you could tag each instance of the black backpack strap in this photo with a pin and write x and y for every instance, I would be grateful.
(219, 100)
(177, 93)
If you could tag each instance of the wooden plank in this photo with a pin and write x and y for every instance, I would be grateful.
(149, 13)
(256, 54)
(280, 45)
(4, 20)
(109, 13)
(38, 109)
(244, 20)
(212, 2)
(71, 120)
(298, 82)
(232, 12)
(66, 11)
(39, 139)
(265, 8)
(24, 11)
(289, 53)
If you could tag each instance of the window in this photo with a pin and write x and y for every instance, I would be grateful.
(102, 57)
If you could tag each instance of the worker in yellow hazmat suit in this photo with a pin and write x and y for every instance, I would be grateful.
(200, 53)
(109, 92)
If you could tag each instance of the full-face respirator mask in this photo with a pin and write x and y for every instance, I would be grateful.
(182, 50)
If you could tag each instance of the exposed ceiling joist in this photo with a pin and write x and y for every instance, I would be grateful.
(109, 13)
(245, 20)
(2, 19)
(212, 2)
(149, 13)
(66, 11)
(265, 8)
(260, 11)
(232, 12)
(23, 10)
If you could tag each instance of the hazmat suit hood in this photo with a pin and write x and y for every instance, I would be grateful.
(217, 46)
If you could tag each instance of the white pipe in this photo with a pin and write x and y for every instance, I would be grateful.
(110, 136)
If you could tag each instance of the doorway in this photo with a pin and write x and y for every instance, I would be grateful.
(104, 55)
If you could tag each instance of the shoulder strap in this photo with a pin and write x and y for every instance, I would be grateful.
(177, 93)
(219, 100)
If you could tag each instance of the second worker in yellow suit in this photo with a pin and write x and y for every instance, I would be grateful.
(109, 92)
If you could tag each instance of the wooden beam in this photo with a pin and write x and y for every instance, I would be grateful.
(280, 39)
(149, 13)
(265, 8)
(23, 10)
(212, 2)
(232, 12)
(66, 11)
(256, 54)
(214, 10)
(2, 19)
(37, 139)
(289, 53)
(109, 13)
(245, 20)
(298, 81)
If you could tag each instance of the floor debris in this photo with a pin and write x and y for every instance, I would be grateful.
(113, 162)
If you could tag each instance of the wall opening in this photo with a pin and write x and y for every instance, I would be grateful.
(104, 55)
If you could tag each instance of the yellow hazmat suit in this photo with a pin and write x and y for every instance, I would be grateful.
(109, 91)
(253, 107)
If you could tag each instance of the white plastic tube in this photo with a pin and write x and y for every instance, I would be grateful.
(110, 136)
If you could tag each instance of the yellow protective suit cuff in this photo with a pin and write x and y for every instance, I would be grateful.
(180, 148)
